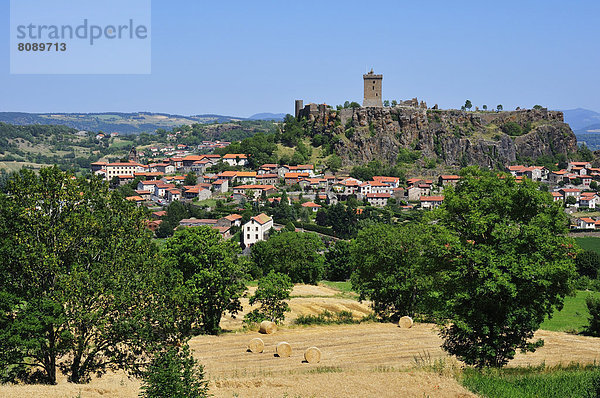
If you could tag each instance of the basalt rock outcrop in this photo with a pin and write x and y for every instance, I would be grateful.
(452, 137)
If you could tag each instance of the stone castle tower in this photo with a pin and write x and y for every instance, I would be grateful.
(372, 89)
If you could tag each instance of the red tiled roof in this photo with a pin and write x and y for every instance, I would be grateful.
(310, 204)
(431, 198)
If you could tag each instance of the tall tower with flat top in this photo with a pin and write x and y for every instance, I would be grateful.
(372, 89)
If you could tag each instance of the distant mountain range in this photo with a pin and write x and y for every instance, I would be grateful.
(583, 120)
(124, 123)
(586, 126)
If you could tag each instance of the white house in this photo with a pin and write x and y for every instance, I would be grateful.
(256, 229)
(586, 223)
(122, 169)
(235, 159)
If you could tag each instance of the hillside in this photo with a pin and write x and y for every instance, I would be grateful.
(445, 137)
(37, 145)
(123, 123)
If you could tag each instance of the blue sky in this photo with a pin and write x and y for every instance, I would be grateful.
(242, 57)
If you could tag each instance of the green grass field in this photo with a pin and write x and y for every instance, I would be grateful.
(345, 287)
(589, 243)
(574, 381)
(574, 315)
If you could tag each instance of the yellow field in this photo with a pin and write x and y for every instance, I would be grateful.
(366, 360)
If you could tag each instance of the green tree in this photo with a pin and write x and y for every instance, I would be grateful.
(296, 254)
(390, 268)
(468, 104)
(210, 274)
(190, 179)
(77, 276)
(571, 200)
(593, 305)
(512, 129)
(386, 103)
(506, 264)
(174, 373)
(539, 107)
(588, 263)
(499, 108)
(334, 163)
(485, 107)
(273, 289)
(338, 266)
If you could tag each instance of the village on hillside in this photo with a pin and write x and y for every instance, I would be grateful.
(167, 180)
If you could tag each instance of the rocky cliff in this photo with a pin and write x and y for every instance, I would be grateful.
(452, 137)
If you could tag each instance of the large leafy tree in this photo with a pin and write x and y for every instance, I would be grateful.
(390, 268)
(210, 276)
(506, 264)
(296, 254)
(273, 289)
(338, 266)
(76, 268)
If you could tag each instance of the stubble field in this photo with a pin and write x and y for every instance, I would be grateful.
(366, 360)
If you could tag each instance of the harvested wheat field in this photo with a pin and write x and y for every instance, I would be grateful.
(370, 359)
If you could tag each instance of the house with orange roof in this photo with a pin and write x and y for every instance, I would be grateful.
(294, 178)
(145, 194)
(235, 159)
(586, 223)
(556, 196)
(121, 169)
(256, 229)
(585, 165)
(232, 220)
(96, 166)
(429, 202)
(268, 168)
(220, 186)
(393, 182)
(153, 225)
(173, 194)
(446, 180)
(312, 206)
(196, 191)
(378, 199)
(516, 170)
(253, 191)
(589, 200)
(137, 199)
(566, 192)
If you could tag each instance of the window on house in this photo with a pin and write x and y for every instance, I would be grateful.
(256, 236)
(248, 236)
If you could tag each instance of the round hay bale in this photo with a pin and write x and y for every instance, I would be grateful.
(267, 327)
(312, 355)
(405, 322)
(256, 346)
(283, 349)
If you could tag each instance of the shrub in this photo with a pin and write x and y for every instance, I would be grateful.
(512, 129)
(327, 318)
(593, 304)
(174, 373)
